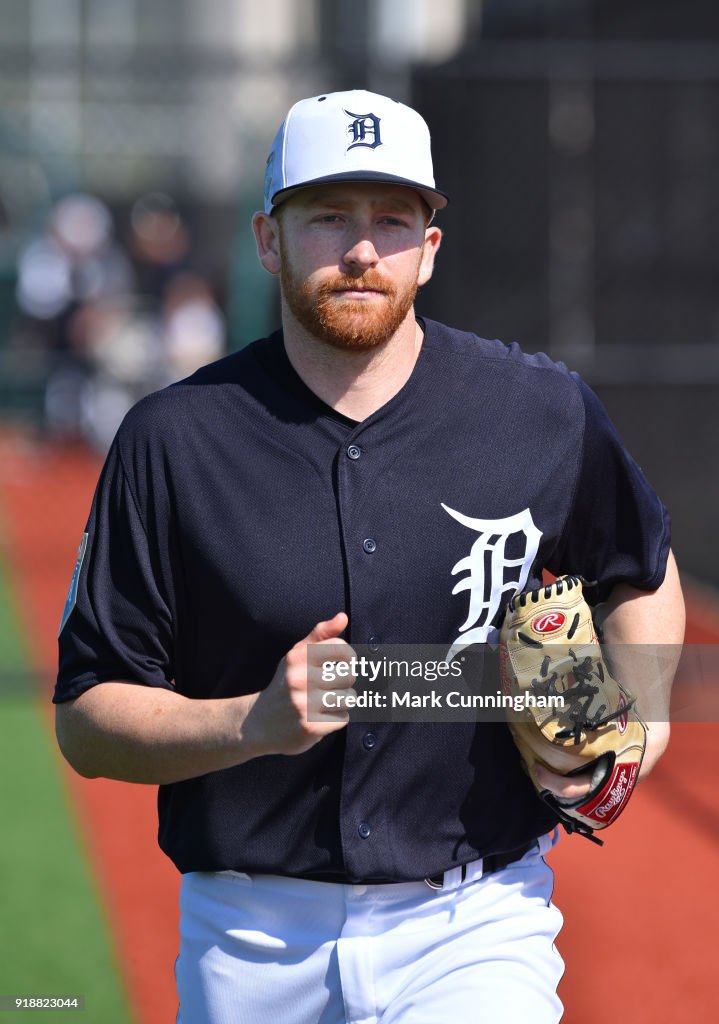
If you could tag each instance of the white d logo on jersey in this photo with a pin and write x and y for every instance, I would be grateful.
(488, 556)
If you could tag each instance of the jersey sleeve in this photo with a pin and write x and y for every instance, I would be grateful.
(117, 623)
(617, 530)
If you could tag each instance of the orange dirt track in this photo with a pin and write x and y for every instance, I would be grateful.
(640, 930)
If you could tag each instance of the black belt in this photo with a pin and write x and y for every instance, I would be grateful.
(492, 862)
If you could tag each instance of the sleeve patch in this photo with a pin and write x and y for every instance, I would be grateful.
(72, 592)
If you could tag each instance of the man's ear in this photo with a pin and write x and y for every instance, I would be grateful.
(267, 238)
(432, 241)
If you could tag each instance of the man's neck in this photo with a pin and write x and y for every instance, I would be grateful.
(355, 384)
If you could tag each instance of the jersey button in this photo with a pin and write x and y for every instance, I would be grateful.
(373, 643)
(369, 545)
(369, 740)
(353, 452)
(364, 829)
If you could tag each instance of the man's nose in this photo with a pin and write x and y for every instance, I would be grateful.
(362, 253)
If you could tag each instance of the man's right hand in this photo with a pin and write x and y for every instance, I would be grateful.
(289, 716)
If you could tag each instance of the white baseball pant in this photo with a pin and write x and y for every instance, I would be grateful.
(264, 949)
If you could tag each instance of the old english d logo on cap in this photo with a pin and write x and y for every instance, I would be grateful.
(351, 136)
(364, 130)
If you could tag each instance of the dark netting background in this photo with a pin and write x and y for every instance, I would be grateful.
(578, 142)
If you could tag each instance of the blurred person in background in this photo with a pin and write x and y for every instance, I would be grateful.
(159, 243)
(119, 322)
(168, 328)
(193, 326)
(74, 265)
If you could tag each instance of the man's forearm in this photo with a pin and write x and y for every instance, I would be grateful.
(144, 734)
(642, 637)
(643, 632)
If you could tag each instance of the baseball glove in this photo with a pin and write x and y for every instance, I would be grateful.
(549, 649)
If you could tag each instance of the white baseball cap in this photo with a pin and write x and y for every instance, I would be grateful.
(351, 136)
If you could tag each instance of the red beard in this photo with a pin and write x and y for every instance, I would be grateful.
(345, 323)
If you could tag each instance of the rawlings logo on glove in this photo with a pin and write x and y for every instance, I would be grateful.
(549, 648)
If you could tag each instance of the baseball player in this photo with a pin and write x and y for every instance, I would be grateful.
(362, 476)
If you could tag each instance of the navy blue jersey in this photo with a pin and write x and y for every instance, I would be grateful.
(236, 510)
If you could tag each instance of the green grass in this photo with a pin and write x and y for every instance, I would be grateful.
(13, 659)
(54, 938)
